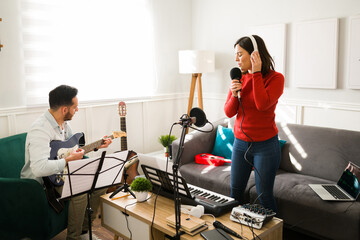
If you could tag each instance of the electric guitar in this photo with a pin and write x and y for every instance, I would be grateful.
(209, 159)
(62, 149)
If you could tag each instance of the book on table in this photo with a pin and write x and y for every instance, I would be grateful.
(189, 224)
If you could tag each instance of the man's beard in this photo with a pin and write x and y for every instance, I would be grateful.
(68, 116)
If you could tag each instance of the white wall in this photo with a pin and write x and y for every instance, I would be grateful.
(218, 24)
(12, 86)
(147, 118)
(172, 31)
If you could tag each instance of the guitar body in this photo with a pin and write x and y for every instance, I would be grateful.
(209, 159)
(62, 149)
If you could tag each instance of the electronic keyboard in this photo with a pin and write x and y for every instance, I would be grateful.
(163, 182)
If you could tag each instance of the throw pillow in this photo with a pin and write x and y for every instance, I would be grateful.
(282, 143)
(224, 142)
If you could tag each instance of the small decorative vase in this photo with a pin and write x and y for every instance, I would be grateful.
(166, 151)
(141, 196)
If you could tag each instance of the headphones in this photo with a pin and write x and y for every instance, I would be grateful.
(197, 211)
(254, 43)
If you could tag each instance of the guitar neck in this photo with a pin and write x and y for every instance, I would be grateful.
(123, 140)
(90, 147)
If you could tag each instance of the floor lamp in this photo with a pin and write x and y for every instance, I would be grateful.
(196, 62)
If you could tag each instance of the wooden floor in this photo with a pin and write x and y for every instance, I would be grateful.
(97, 229)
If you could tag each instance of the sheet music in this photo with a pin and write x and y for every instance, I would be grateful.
(82, 173)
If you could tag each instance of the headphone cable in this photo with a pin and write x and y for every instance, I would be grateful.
(248, 149)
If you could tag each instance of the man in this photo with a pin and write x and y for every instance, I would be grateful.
(53, 125)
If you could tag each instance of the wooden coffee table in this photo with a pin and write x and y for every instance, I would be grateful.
(140, 217)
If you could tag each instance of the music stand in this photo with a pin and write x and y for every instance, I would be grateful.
(87, 175)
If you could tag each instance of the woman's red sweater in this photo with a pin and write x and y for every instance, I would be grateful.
(259, 97)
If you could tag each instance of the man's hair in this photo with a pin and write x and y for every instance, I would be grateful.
(62, 96)
(266, 59)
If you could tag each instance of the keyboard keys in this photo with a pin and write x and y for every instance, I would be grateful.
(209, 195)
(335, 192)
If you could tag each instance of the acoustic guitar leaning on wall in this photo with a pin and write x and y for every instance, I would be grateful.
(132, 170)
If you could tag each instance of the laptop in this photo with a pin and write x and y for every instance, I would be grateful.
(346, 189)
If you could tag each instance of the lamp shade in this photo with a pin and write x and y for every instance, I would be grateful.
(196, 61)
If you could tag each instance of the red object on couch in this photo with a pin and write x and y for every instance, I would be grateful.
(209, 159)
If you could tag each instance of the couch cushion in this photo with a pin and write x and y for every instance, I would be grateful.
(12, 155)
(300, 207)
(317, 151)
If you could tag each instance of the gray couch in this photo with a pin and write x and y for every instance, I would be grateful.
(311, 155)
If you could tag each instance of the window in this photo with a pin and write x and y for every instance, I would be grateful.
(102, 47)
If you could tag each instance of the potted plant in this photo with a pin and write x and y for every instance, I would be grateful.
(141, 186)
(166, 140)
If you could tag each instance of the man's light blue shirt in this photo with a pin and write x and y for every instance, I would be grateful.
(37, 148)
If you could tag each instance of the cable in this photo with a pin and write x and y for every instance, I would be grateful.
(126, 214)
(239, 220)
(167, 158)
(204, 131)
(127, 226)
(248, 149)
(126, 218)
(152, 221)
(208, 214)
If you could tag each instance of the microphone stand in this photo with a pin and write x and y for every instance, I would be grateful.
(124, 187)
(177, 200)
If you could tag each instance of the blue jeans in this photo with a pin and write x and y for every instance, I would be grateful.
(265, 156)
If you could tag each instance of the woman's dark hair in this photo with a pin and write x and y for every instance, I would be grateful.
(266, 59)
(62, 96)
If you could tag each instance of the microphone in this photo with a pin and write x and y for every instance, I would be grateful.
(187, 120)
(218, 224)
(197, 117)
(235, 73)
(131, 162)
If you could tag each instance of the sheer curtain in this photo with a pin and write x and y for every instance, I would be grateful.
(102, 47)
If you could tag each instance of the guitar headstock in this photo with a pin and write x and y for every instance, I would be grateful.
(122, 109)
(118, 134)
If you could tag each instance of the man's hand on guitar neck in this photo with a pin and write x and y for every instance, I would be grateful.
(106, 142)
(75, 154)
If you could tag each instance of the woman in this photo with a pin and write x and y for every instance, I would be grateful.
(256, 141)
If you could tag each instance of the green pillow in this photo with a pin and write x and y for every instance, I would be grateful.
(224, 142)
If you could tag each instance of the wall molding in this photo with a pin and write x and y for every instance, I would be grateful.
(298, 109)
(94, 104)
(321, 104)
(166, 97)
